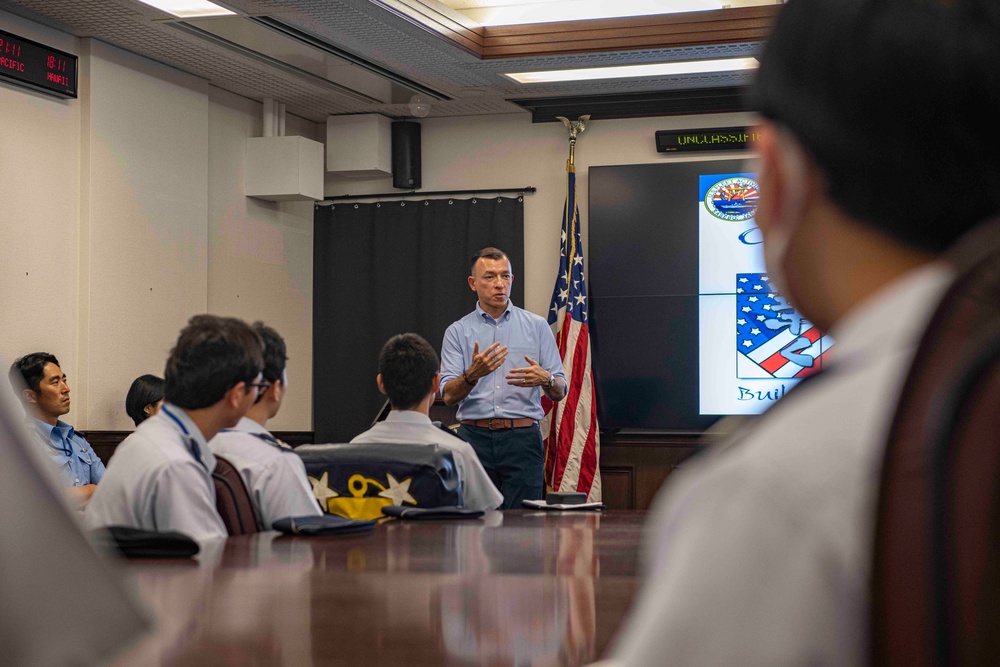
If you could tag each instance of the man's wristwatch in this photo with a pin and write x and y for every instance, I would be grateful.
(467, 380)
(552, 380)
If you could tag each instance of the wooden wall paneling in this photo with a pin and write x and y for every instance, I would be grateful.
(618, 486)
(105, 442)
(637, 466)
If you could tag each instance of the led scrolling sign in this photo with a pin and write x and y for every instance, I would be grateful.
(696, 141)
(28, 63)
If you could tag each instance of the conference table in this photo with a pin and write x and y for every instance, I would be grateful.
(520, 587)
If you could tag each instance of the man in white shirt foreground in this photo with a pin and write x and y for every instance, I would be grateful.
(274, 475)
(879, 150)
(160, 477)
(409, 375)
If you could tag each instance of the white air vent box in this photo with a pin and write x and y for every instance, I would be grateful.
(359, 146)
(284, 169)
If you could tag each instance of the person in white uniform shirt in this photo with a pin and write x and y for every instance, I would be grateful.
(274, 475)
(409, 375)
(160, 477)
(878, 152)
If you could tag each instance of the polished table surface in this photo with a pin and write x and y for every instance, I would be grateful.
(513, 588)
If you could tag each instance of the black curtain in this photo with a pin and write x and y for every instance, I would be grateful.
(388, 268)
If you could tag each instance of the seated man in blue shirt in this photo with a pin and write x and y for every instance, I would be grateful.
(41, 385)
(499, 389)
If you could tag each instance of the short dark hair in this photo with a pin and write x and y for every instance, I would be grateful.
(488, 253)
(408, 365)
(145, 390)
(275, 352)
(211, 356)
(895, 100)
(29, 370)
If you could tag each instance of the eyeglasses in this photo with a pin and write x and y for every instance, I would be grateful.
(261, 386)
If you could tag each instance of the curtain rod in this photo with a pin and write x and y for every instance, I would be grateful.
(414, 193)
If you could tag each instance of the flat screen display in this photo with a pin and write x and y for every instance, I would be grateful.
(685, 323)
(28, 63)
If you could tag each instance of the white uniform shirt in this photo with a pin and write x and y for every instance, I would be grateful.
(155, 480)
(410, 427)
(274, 474)
(761, 550)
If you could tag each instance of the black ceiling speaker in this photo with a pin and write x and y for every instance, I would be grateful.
(406, 154)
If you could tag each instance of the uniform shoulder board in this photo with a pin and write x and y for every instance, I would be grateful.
(274, 442)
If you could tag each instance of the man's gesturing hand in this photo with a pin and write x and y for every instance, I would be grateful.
(529, 376)
(486, 362)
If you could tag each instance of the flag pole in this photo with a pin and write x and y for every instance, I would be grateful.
(575, 127)
(569, 427)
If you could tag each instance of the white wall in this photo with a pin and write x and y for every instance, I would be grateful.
(144, 249)
(39, 214)
(260, 253)
(510, 151)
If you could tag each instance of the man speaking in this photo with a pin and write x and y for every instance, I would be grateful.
(496, 362)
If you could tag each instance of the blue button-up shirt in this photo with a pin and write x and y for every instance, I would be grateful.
(524, 334)
(74, 458)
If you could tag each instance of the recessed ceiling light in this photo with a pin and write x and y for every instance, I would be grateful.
(189, 8)
(630, 71)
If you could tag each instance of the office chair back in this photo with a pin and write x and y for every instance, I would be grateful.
(232, 499)
(358, 480)
(936, 567)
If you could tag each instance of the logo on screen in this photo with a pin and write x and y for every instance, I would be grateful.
(733, 199)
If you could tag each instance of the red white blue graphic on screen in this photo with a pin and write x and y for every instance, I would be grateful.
(772, 338)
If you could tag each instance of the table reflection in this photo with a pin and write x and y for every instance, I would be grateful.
(511, 589)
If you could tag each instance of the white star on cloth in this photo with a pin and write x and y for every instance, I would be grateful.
(398, 492)
(580, 298)
(743, 280)
(578, 260)
(753, 299)
(755, 331)
(322, 490)
(747, 343)
(741, 321)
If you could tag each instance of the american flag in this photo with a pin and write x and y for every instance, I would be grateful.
(572, 439)
(772, 339)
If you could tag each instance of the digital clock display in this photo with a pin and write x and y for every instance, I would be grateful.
(37, 66)
(716, 139)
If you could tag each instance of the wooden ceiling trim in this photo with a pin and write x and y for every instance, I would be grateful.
(627, 34)
(631, 43)
(758, 28)
(440, 20)
(696, 20)
(722, 26)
